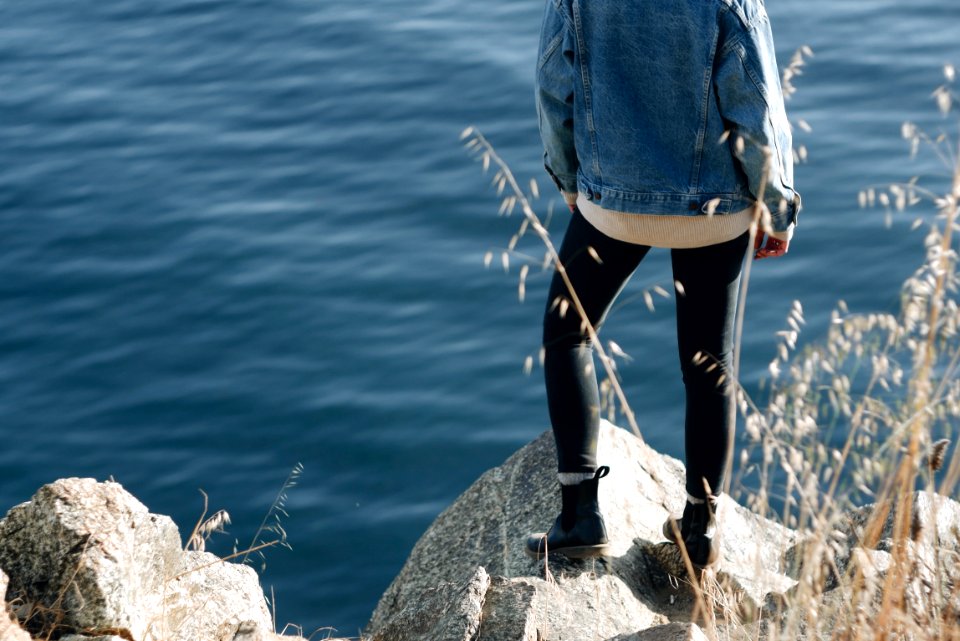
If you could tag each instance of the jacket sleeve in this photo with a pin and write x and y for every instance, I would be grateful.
(555, 80)
(747, 82)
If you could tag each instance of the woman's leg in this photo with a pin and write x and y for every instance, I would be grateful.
(572, 395)
(710, 278)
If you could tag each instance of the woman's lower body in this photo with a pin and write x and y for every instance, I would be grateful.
(706, 299)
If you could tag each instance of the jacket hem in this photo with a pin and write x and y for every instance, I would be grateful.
(669, 203)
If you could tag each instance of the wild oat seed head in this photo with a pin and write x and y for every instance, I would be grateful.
(944, 100)
(938, 454)
(712, 205)
(617, 351)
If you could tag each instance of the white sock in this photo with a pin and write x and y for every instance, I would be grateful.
(574, 478)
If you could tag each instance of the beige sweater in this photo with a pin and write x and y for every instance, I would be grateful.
(676, 232)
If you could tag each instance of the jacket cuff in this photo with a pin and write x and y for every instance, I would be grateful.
(566, 183)
(785, 214)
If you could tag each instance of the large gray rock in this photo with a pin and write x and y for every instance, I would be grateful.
(450, 611)
(89, 556)
(10, 629)
(634, 589)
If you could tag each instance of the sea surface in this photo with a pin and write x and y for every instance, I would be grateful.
(237, 235)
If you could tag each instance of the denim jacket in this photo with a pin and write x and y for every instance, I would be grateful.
(665, 107)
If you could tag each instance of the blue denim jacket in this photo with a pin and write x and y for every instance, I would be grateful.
(634, 99)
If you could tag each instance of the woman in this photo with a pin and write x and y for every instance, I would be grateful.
(663, 125)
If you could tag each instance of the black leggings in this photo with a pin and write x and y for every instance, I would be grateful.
(710, 278)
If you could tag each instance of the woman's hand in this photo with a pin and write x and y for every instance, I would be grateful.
(777, 242)
(771, 249)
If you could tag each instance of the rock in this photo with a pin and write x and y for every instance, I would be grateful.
(88, 558)
(927, 582)
(936, 522)
(631, 591)
(451, 612)
(582, 606)
(89, 555)
(209, 598)
(670, 632)
(853, 572)
(243, 631)
(10, 630)
(935, 529)
(751, 550)
(253, 631)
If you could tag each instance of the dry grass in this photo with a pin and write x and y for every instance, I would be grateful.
(861, 416)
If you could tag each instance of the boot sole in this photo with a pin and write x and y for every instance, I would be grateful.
(573, 552)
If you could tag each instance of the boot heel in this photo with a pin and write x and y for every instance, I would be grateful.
(579, 532)
(698, 531)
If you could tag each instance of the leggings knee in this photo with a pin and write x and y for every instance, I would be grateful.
(706, 374)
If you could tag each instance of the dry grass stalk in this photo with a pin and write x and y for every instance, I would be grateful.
(504, 178)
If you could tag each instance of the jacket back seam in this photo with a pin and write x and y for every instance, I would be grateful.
(704, 109)
(587, 89)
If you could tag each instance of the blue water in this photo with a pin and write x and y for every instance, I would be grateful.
(237, 235)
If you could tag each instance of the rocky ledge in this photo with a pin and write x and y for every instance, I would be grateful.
(468, 578)
(86, 561)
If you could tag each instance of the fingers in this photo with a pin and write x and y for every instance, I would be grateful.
(757, 241)
(772, 248)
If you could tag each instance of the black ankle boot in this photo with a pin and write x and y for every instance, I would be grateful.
(579, 531)
(699, 532)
